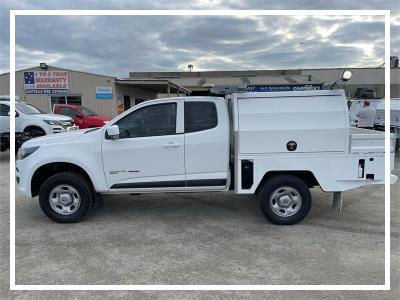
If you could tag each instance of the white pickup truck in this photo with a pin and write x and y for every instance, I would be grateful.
(277, 145)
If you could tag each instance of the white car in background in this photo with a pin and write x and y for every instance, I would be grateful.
(32, 120)
(394, 118)
(379, 105)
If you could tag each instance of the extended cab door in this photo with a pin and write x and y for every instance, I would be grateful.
(206, 143)
(150, 150)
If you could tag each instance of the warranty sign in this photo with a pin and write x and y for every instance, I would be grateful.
(46, 82)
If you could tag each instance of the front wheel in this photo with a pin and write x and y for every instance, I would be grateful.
(66, 197)
(285, 199)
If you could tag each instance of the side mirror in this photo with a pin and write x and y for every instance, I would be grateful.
(113, 132)
(16, 114)
(347, 75)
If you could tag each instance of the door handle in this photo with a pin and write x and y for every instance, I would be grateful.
(171, 145)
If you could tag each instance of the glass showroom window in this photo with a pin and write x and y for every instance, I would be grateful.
(73, 100)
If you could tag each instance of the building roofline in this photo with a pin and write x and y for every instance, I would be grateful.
(64, 69)
(154, 80)
(237, 73)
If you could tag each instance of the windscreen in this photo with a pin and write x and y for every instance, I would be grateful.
(29, 109)
(88, 112)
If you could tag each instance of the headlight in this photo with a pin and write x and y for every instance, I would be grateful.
(52, 122)
(25, 152)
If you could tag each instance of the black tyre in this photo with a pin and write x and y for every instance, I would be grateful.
(285, 199)
(66, 197)
(4, 146)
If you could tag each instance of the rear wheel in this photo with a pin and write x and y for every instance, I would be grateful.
(66, 197)
(285, 200)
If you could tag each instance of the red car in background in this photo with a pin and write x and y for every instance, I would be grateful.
(83, 117)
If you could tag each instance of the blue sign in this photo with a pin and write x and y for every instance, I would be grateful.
(283, 87)
(104, 92)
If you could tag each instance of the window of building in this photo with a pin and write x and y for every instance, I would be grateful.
(154, 120)
(73, 100)
(200, 116)
(4, 110)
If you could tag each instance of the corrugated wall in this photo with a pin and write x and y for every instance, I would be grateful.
(80, 84)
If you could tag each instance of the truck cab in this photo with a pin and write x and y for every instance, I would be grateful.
(178, 144)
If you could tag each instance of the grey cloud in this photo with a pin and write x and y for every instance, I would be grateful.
(360, 32)
(117, 45)
(165, 43)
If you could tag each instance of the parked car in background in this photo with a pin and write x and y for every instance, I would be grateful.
(394, 118)
(379, 105)
(83, 116)
(30, 122)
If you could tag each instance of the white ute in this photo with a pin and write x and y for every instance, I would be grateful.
(277, 145)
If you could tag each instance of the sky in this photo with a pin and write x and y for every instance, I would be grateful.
(117, 45)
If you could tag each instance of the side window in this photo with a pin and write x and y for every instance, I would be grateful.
(154, 120)
(200, 116)
(68, 112)
(4, 110)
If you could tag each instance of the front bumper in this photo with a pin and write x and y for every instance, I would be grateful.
(57, 129)
(21, 178)
(65, 126)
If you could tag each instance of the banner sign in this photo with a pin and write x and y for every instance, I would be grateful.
(283, 87)
(46, 82)
(104, 92)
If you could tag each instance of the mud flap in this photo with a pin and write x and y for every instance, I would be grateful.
(337, 201)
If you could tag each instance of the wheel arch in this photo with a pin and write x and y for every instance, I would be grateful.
(29, 127)
(45, 171)
(307, 176)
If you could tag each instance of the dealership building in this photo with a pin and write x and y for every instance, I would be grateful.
(44, 86)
